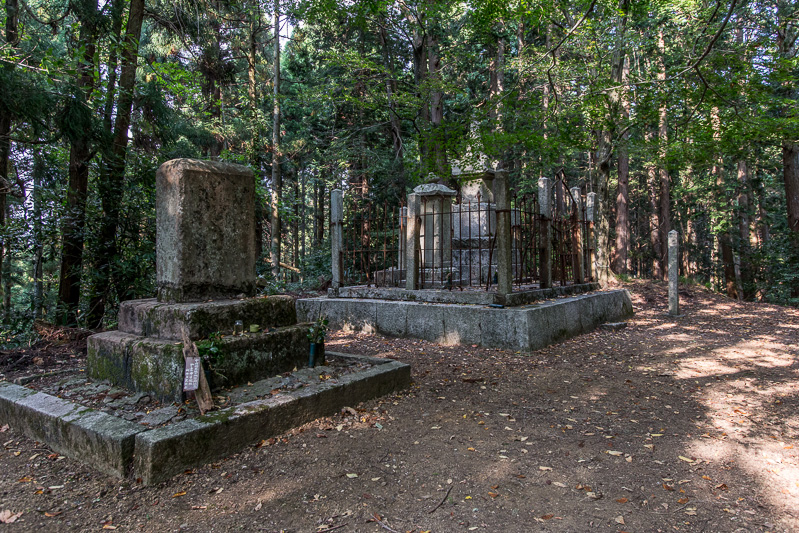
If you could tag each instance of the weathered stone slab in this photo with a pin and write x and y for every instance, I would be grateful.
(527, 327)
(205, 230)
(155, 366)
(164, 452)
(461, 297)
(150, 318)
(90, 436)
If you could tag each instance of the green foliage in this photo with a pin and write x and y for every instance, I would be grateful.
(318, 330)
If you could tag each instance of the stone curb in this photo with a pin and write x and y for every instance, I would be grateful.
(459, 297)
(113, 445)
(164, 452)
(521, 328)
(93, 437)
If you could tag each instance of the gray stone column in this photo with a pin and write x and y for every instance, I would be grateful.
(674, 272)
(412, 242)
(590, 216)
(577, 236)
(545, 211)
(504, 239)
(205, 230)
(336, 237)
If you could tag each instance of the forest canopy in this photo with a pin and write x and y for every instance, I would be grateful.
(679, 114)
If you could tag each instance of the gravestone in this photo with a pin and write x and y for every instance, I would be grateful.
(205, 274)
(205, 230)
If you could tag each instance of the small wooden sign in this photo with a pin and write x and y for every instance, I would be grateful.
(191, 376)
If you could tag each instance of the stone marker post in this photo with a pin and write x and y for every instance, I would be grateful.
(590, 217)
(674, 272)
(504, 239)
(205, 230)
(577, 235)
(545, 211)
(412, 242)
(336, 236)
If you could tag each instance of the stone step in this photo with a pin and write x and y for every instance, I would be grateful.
(150, 318)
(155, 366)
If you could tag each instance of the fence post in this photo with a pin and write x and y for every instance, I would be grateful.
(412, 242)
(590, 217)
(336, 238)
(674, 273)
(504, 243)
(577, 235)
(545, 211)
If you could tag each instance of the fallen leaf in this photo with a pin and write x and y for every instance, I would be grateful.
(109, 526)
(50, 515)
(179, 494)
(682, 501)
(667, 487)
(614, 452)
(351, 476)
(619, 520)
(544, 468)
(4, 428)
(686, 459)
(199, 507)
(493, 494)
(7, 517)
(722, 486)
(622, 500)
(547, 516)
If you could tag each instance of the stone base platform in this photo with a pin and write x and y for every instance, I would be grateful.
(456, 296)
(524, 328)
(120, 448)
(155, 366)
(150, 318)
(146, 354)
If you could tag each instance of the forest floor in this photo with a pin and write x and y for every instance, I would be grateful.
(686, 424)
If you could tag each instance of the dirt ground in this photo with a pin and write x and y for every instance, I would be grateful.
(686, 424)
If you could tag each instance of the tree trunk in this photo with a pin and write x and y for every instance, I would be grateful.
(665, 178)
(654, 216)
(113, 184)
(438, 151)
(80, 153)
(11, 40)
(747, 277)
(320, 214)
(621, 261)
(276, 177)
(790, 175)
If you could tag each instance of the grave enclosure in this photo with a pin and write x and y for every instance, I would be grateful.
(475, 266)
(206, 283)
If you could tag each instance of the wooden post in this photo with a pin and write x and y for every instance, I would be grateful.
(336, 238)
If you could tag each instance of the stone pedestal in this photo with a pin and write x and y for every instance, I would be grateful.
(205, 230)
(205, 258)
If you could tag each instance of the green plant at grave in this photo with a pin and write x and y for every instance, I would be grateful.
(210, 350)
(318, 330)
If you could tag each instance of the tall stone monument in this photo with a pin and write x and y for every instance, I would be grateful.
(205, 274)
(205, 230)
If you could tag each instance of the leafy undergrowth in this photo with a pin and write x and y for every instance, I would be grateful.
(685, 424)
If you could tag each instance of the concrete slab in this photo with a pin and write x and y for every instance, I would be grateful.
(90, 436)
(526, 327)
(118, 447)
(164, 452)
(455, 296)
